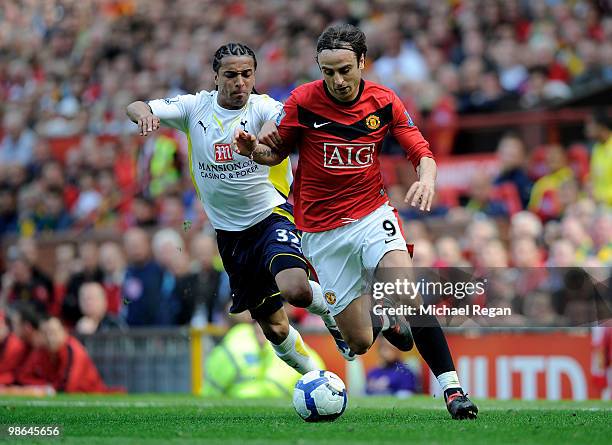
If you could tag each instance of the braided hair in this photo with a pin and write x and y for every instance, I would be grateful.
(343, 36)
(232, 49)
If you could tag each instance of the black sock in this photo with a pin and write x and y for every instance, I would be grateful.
(431, 343)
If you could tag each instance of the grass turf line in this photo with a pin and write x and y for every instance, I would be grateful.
(183, 419)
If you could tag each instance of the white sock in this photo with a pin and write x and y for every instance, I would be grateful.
(448, 380)
(293, 352)
(319, 307)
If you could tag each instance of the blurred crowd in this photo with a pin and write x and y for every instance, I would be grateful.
(165, 270)
(81, 62)
(71, 66)
(138, 281)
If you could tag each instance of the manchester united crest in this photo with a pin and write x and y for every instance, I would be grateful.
(330, 297)
(372, 122)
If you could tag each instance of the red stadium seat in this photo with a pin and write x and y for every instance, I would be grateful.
(537, 162)
(508, 193)
(578, 158)
(448, 196)
(60, 146)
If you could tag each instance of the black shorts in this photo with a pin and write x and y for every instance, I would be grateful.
(254, 256)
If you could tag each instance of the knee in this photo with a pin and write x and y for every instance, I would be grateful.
(275, 332)
(297, 292)
(359, 345)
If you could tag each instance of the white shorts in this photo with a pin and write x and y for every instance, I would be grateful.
(343, 256)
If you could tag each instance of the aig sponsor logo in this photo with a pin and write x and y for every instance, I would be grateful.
(348, 155)
(223, 153)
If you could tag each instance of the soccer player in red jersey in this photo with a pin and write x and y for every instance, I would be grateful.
(338, 125)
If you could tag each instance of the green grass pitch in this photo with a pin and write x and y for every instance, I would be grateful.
(182, 419)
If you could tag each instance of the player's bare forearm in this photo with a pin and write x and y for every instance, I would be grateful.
(427, 170)
(268, 156)
(141, 114)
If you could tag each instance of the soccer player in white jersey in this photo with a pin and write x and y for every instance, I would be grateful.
(245, 202)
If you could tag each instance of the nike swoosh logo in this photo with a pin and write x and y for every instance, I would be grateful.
(320, 125)
(387, 241)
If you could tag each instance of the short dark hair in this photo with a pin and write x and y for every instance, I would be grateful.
(144, 198)
(53, 190)
(232, 49)
(600, 117)
(31, 312)
(343, 36)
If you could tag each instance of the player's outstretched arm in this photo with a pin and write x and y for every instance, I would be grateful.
(140, 113)
(422, 192)
(247, 145)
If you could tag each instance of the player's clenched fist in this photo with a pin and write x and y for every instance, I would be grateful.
(148, 124)
(244, 143)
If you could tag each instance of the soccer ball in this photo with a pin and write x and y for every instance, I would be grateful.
(319, 396)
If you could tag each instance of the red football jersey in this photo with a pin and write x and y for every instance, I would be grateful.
(338, 177)
(74, 371)
(13, 352)
(69, 370)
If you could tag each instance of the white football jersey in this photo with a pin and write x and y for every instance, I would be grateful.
(236, 192)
